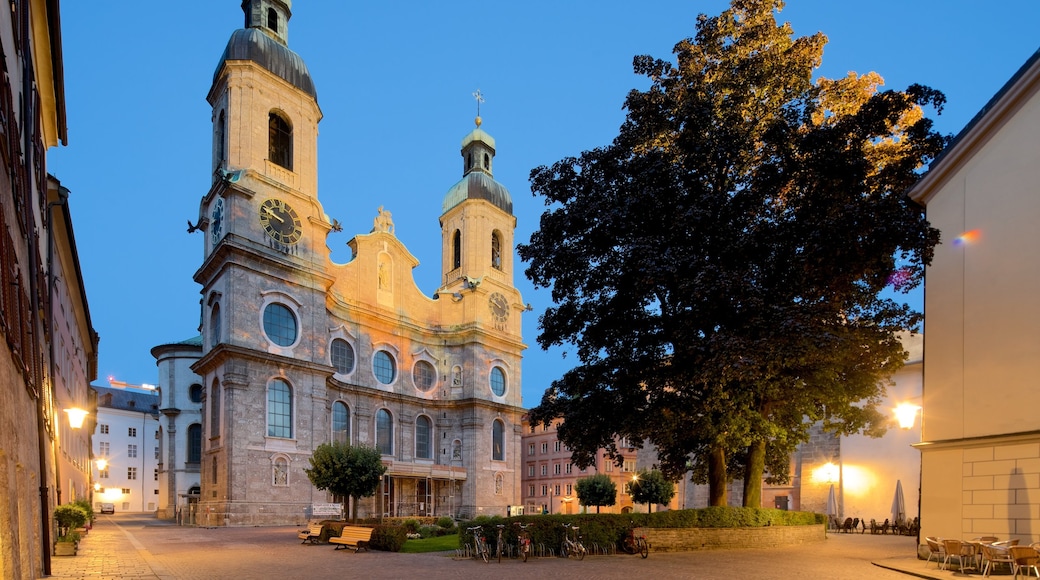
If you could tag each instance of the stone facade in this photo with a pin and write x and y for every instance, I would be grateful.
(298, 350)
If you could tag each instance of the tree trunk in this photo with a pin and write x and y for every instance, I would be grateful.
(753, 469)
(717, 477)
(353, 512)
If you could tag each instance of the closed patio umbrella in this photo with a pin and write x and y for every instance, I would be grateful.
(832, 506)
(898, 504)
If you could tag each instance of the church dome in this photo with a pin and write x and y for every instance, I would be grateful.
(478, 149)
(253, 44)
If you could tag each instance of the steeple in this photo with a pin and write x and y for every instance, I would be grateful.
(270, 16)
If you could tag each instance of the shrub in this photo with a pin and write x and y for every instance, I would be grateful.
(69, 517)
(446, 522)
(388, 538)
(428, 531)
(89, 509)
(412, 525)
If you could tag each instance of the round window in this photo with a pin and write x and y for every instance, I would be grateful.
(383, 366)
(424, 375)
(342, 356)
(498, 381)
(280, 324)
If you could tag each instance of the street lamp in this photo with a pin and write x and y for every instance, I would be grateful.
(906, 414)
(76, 417)
(101, 464)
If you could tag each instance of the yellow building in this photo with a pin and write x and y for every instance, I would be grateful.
(298, 350)
(980, 447)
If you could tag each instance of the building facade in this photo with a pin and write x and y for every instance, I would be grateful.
(298, 350)
(980, 446)
(126, 448)
(49, 346)
(181, 398)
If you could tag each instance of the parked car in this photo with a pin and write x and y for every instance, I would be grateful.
(108, 508)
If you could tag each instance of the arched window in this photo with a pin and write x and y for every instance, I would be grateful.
(423, 437)
(384, 368)
(487, 162)
(498, 440)
(384, 432)
(496, 251)
(340, 422)
(221, 140)
(214, 469)
(214, 325)
(456, 250)
(279, 409)
(214, 409)
(194, 443)
(272, 19)
(279, 139)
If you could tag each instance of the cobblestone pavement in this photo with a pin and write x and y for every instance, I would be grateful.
(132, 547)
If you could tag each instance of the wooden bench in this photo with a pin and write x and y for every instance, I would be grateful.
(311, 534)
(353, 537)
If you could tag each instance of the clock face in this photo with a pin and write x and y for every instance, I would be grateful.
(499, 307)
(217, 220)
(280, 221)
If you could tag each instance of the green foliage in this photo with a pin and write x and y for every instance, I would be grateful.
(71, 537)
(69, 517)
(348, 470)
(85, 505)
(412, 525)
(446, 522)
(719, 266)
(435, 544)
(388, 538)
(596, 490)
(652, 487)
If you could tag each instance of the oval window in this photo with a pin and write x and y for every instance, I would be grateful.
(280, 324)
(498, 381)
(424, 375)
(383, 366)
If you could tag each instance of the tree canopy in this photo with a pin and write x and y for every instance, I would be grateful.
(597, 490)
(651, 487)
(719, 268)
(346, 470)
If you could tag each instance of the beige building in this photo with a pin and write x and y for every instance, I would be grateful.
(298, 350)
(980, 446)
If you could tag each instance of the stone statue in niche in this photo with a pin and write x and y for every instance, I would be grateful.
(456, 451)
(456, 377)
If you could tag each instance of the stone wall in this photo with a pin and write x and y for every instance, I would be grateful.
(688, 539)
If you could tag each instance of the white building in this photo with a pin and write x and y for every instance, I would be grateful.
(127, 440)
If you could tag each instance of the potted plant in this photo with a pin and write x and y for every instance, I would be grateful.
(68, 517)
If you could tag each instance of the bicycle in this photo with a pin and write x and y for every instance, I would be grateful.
(498, 546)
(634, 544)
(523, 541)
(572, 547)
(480, 543)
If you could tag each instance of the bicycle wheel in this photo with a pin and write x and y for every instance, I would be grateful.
(499, 552)
(644, 548)
(524, 548)
(580, 551)
(485, 553)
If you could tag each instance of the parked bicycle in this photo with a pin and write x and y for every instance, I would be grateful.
(500, 544)
(523, 541)
(480, 545)
(634, 543)
(572, 545)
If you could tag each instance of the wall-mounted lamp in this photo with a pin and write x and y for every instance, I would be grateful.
(906, 414)
(76, 417)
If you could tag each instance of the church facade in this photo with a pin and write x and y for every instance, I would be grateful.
(297, 350)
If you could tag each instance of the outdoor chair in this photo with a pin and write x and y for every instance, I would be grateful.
(874, 527)
(960, 550)
(847, 526)
(1025, 557)
(992, 556)
(935, 548)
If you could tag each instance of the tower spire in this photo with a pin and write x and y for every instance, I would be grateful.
(480, 99)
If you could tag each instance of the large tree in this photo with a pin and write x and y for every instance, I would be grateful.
(597, 490)
(720, 266)
(349, 471)
(651, 487)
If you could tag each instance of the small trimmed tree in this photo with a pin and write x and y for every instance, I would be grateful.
(652, 487)
(352, 471)
(597, 490)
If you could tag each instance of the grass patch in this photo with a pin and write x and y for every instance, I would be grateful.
(435, 544)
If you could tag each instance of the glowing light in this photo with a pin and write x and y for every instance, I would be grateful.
(102, 464)
(968, 237)
(97, 487)
(76, 417)
(857, 480)
(906, 414)
(827, 473)
(901, 278)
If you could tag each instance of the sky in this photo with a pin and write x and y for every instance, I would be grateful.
(398, 78)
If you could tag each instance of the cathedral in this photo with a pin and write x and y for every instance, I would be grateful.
(297, 350)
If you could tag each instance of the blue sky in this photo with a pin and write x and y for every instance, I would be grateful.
(394, 82)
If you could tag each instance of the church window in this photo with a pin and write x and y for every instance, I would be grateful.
(342, 356)
(195, 393)
(384, 432)
(280, 324)
(423, 438)
(272, 19)
(194, 443)
(487, 162)
(384, 368)
(213, 469)
(496, 251)
(279, 139)
(214, 409)
(424, 375)
(214, 325)
(279, 409)
(498, 381)
(456, 250)
(498, 440)
(221, 140)
(340, 422)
